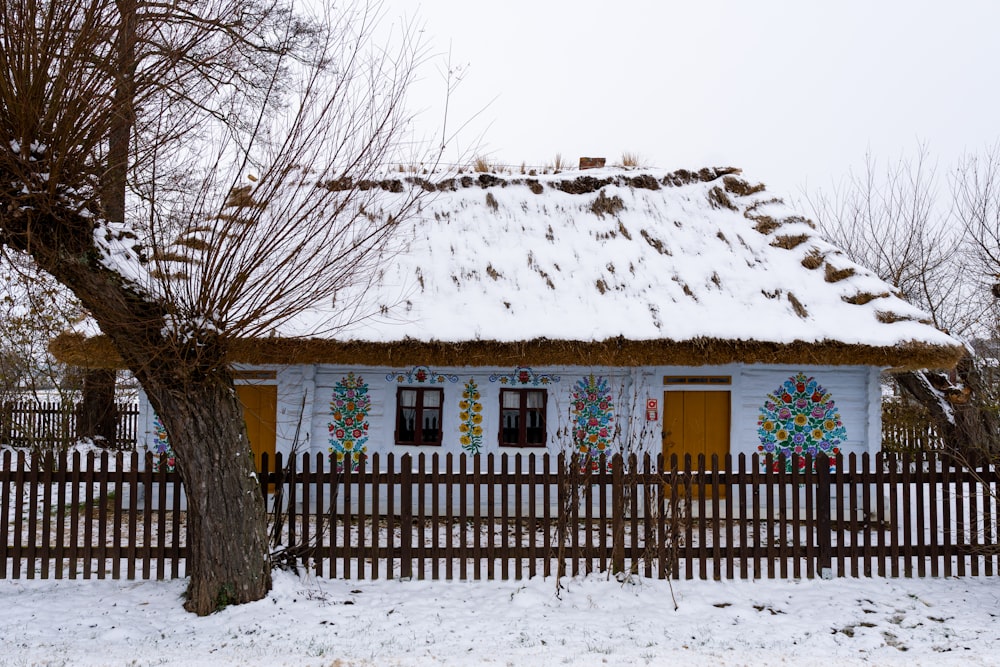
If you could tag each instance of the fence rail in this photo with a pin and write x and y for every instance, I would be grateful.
(46, 425)
(512, 517)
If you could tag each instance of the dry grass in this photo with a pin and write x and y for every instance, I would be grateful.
(889, 317)
(604, 205)
(631, 160)
(718, 198)
(643, 182)
(98, 352)
(836, 275)
(765, 224)
(788, 242)
(813, 260)
(797, 306)
(655, 243)
(862, 298)
(481, 165)
(741, 188)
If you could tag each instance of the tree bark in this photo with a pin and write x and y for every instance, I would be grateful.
(188, 384)
(960, 409)
(97, 414)
(227, 557)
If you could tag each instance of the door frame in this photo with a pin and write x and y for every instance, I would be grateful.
(699, 382)
(260, 378)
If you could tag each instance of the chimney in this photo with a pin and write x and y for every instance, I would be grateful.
(591, 162)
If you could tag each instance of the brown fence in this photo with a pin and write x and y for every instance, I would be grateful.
(53, 425)
(907, 427)
(512, 517)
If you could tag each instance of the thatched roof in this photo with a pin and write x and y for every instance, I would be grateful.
(609, 267)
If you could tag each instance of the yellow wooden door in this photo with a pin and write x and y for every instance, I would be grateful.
(696, 422)
(260, 411)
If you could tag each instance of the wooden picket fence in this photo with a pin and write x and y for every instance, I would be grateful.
(908, 428)
(521, 516)
(52, 425)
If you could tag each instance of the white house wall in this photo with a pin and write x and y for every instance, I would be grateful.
(854, 389)
(306, 423)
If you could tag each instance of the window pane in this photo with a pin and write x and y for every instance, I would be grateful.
(510, 426)
(534, 426)
(536, 399)
(408, 397)
(511, 399)
(432, 398)
(431, 426)
(407, 426)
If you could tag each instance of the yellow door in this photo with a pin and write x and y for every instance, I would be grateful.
(696, 422)
(260, 411)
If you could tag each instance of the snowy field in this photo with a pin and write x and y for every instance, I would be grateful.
(592, 621)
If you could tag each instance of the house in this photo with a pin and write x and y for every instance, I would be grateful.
(596, 311)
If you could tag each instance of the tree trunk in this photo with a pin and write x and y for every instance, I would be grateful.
(961, 409)
(97, 414)
(227, 557)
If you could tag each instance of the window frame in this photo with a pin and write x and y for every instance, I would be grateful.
(523, 409)
(418, 440)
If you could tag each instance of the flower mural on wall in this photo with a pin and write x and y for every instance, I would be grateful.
(349, 421)
(471, 416)
(163, 455)
(593, 416)
(522, 375)
(420, 375)
(800, 418)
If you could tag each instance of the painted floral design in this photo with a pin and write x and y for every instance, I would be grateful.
(420, 375)
(163, 454)
(523, 375)
(800, 418)
(349, 421)
(471, 416)
(593, 416)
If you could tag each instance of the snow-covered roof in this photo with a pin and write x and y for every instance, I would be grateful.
(617, 266)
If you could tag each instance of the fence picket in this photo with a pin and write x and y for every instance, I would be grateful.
(855, 520)
(463, 517)
(866, 502)
(60, 520)
(717, 519)
(449, 499)
(919, 479)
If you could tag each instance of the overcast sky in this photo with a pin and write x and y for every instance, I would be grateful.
(794, 92)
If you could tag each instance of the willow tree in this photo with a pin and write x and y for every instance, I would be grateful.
(916, 234)
(198, 172)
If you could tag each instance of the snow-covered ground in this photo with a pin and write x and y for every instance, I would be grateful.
(592, 621)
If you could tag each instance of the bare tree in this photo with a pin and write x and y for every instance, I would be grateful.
(199, 172)
(976, 190)
(33, 309)
(897, 222)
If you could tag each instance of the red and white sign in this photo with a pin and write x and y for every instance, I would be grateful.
(651, 404)
(652, 410)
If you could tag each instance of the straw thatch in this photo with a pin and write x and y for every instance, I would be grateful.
(610, 268)
(98, 352)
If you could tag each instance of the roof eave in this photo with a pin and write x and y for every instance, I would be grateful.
(99, 352)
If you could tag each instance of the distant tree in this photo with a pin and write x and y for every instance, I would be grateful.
(198, 172)
(33, 309)
(897, 221)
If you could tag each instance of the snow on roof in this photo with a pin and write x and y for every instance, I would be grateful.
(677, 267)
(589, 256)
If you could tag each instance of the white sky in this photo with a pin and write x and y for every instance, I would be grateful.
(793, 92)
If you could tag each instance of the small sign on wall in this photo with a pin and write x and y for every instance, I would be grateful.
(652, 410)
